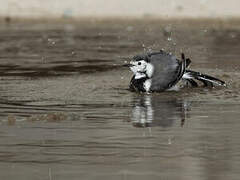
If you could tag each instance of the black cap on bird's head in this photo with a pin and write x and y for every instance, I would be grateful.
(138, 58)
(142, 57)
(145, 57)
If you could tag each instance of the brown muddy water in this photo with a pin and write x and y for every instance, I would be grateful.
(66, 112)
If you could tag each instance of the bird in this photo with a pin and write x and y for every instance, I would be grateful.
(161, 71)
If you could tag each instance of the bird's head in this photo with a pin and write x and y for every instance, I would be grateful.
(141, 67)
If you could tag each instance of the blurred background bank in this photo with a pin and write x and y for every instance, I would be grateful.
(120, 8)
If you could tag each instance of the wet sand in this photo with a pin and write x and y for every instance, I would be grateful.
(66, 113)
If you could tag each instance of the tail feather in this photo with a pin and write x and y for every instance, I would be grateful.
(192, 82)
(205, 79)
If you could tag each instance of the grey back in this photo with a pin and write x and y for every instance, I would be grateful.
(166, 70)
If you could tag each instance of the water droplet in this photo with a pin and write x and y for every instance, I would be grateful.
(233, 35)
(129, 28)
(169, 141)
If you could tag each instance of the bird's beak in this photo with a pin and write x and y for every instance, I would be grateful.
(128, 65)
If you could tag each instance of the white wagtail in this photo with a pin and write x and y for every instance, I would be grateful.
(160, 71)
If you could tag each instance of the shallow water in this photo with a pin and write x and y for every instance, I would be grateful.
(66, 112)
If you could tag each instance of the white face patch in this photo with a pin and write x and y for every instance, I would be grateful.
(138, 66)
(141, 69)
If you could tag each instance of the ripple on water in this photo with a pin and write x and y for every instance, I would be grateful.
(65, 110)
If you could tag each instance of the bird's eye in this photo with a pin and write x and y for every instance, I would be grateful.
(139, 63)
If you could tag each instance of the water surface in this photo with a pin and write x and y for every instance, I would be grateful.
(66, 112)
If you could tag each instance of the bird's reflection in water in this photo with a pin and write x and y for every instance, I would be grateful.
(152, 111)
